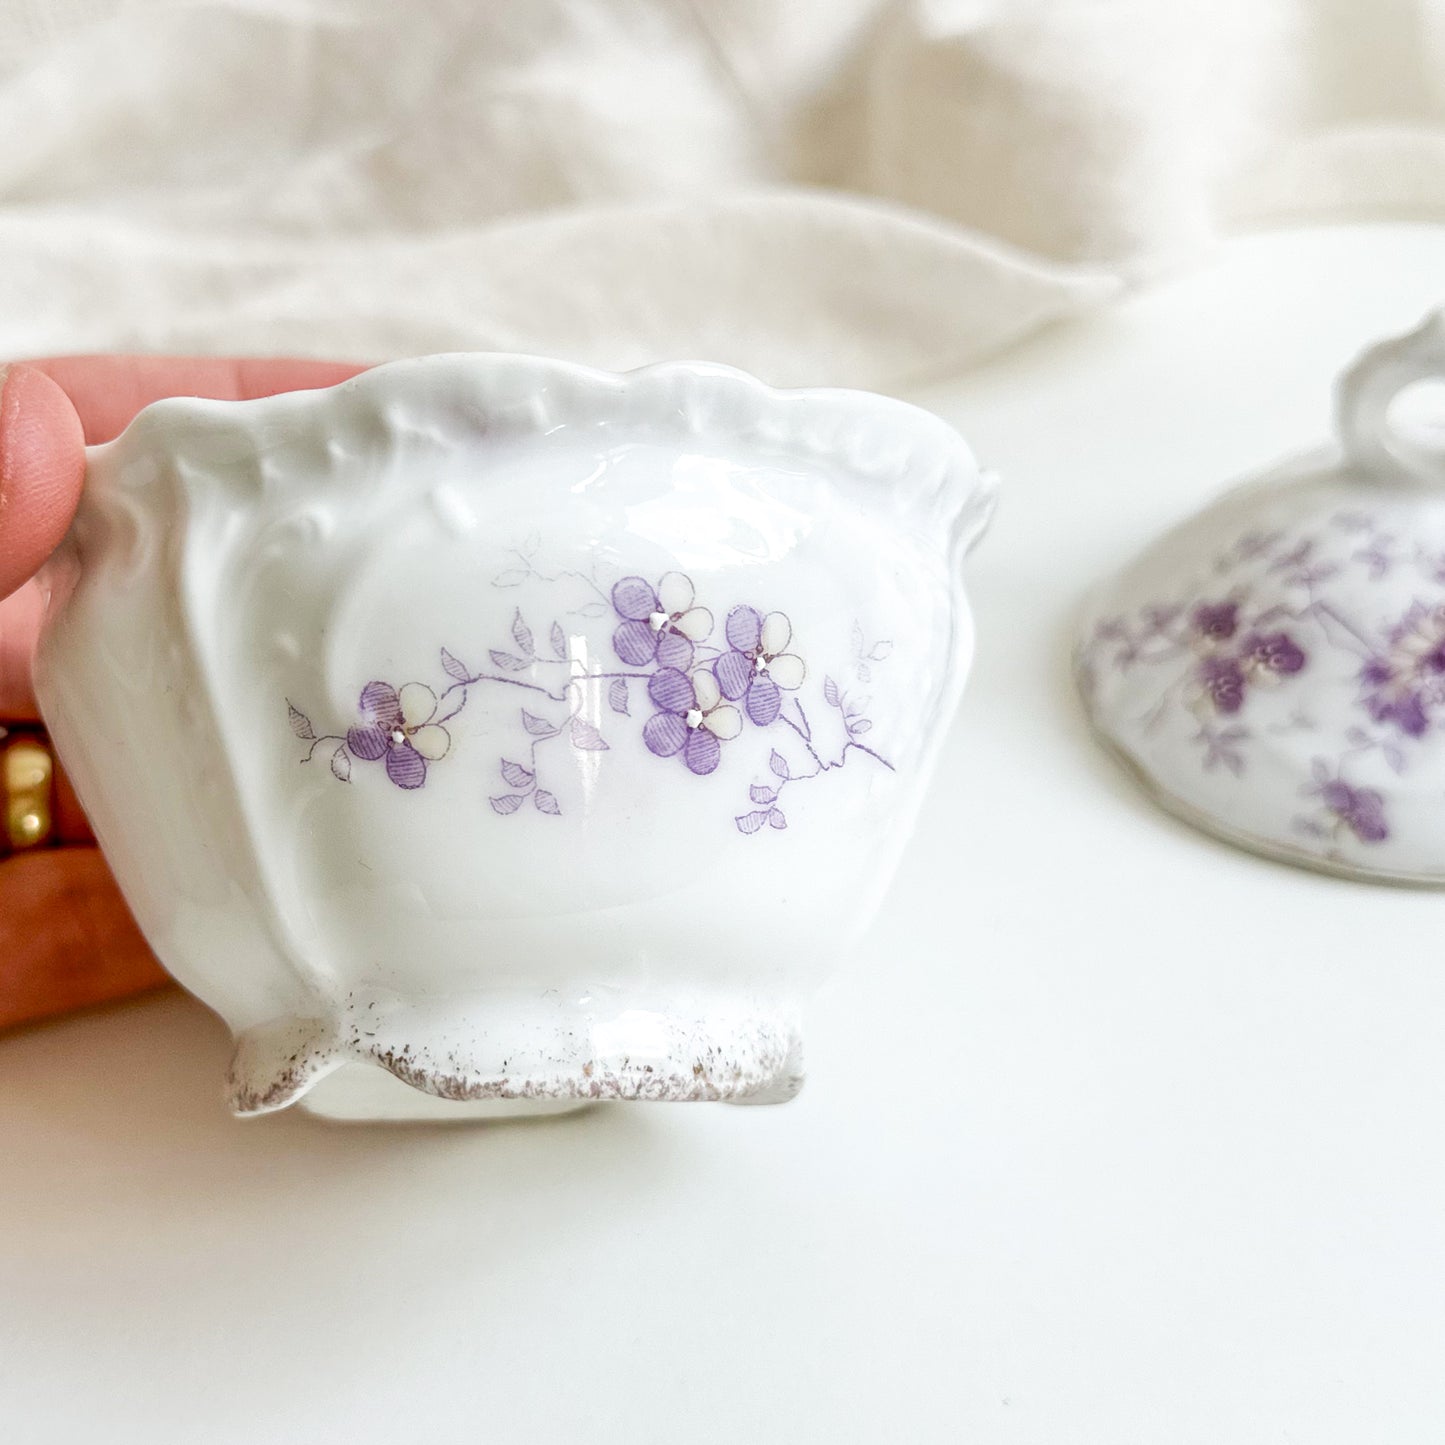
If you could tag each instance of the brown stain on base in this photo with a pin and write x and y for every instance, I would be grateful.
(257, 1084)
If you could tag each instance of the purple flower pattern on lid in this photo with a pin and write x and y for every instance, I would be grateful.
(702, 695)
(1275, 654)
(1222, 681)
(1362, 810)
(1231, 646)
(1405, 681)
(1216, 621)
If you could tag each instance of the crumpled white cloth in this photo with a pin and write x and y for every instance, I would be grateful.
(847, 191)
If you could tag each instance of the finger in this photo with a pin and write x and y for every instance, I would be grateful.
(19, 624)
(20, 615)
(42, 461)
(52, 408)
(66, 938)
(107, 391)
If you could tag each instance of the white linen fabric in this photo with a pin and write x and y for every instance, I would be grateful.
(845, 191)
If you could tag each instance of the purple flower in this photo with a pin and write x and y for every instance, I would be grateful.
(1276, 653)
(758, 662)
(692, 718)
(658, 625)
(1362, 810)
(398, 726)
(1216, 621)
(1403, 682)
(1404, 710)
(1222, 679)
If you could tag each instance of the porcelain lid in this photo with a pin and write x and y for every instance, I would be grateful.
(1274, 668)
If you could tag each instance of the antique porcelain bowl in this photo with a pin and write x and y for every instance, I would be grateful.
(487, 734)
(1274, 669)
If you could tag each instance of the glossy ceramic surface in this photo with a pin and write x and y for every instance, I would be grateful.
(1274, 669)
(517, 733)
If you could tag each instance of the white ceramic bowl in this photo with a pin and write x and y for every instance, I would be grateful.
(1274, 668)
(515, 732)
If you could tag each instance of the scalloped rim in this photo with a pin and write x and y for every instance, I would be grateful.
(877, 439)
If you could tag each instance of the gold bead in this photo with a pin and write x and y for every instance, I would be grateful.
(27, 775)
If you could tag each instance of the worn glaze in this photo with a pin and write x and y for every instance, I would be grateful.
(487, 733)
(1274, 669)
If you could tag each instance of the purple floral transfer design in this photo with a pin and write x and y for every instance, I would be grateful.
(758, 666)
(766, 794)
(1404, 682)
(658, 624)
(691, 721)
(1229, 651)
(1360, 810)
(397, 724)
(1388, 659)
(699, 695)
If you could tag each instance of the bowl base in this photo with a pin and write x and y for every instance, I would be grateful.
(499, 1055)
(364, 1093)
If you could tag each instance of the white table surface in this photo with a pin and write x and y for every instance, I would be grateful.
(1112, 1135)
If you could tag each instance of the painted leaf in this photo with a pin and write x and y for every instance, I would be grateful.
(859, 643)
(507, 661)
(507, 803)
(546, 803)
(830, 691)
(515, 775)
(881, 652)
(864, 672)
(617, 697)
(300, 723)
(750, 822)
(559, 640)
(759, 794)
(522, 635)
(341, 764)
(861, 726)
(593, 609)
(539, 727)
(776, 819)
(454, 667)
(779, 764)
(586, 737)
(512, 577)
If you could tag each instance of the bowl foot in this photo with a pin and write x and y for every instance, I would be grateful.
(501, 1055)
(357, 1093)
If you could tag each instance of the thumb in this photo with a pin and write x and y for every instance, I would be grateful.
(42, 463)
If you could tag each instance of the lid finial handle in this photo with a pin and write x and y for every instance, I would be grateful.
(1374, 444)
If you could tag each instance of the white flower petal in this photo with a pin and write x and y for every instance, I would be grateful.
(675, 591)
(432, 741)
(724, 722)
(418, 704)
(705, 688)
(787, 670)
(694, 624)
(777, 633)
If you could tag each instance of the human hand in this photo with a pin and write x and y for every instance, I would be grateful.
(66, 937)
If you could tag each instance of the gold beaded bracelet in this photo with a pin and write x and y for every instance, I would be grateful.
(27, 789)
